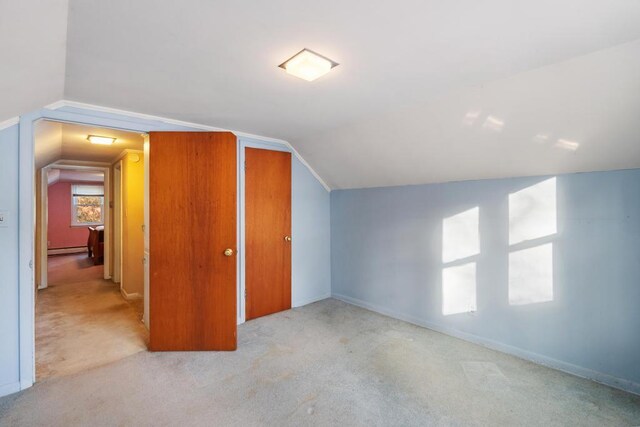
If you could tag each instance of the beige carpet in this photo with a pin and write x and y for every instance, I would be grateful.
(82, 321)
(72, 268)
(324, 364)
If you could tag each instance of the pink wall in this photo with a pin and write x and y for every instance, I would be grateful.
(60, 233)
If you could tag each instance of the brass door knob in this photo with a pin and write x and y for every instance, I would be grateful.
(287, 238)
(228, 252)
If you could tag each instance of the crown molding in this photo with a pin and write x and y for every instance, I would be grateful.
(78, 164)
(10, 122)
(64, 103)
(56, 105)
(123, 153)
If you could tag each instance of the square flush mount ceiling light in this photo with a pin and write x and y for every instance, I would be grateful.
(101, 140)
(308, 65)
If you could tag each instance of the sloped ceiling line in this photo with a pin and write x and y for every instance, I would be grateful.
(365, 123)
(65, 103)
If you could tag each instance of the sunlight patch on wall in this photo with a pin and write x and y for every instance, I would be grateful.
(460, 250)
(461, 235)
(532, 212)
(532, 216)
(459, 289)
(531, 275)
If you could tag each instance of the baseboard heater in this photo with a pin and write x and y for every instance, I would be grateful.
(64, 251)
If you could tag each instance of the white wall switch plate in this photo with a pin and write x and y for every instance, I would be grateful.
(4, 218)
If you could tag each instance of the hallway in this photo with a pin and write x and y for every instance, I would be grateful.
(82, 321)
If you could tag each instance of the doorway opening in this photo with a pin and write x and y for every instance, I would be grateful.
(89, 240)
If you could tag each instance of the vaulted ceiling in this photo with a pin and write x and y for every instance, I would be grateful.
(426, 91)
(33, 37)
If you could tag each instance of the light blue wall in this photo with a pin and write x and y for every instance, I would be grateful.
(310, 212)
(9, 357)
(386, 254)
(311, 258)
(310, 231)
(311, 276)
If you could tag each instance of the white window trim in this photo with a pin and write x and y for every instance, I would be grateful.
(74, 223)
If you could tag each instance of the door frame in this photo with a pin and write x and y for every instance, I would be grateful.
(27, 216)
(118, 211)
(117, 223)
(86, 114)
(43, 254)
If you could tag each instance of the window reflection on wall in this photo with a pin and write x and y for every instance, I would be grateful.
(532, 227)
(459, 289)
(531, 275)
(460, 235)
(460, 249)
(532, 212)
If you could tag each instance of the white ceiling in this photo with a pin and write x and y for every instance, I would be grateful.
(410, 71)
(55, 141)
(47, 143)
(33, 50)
(575, 116)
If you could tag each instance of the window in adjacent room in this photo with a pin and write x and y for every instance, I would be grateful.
(87, 205)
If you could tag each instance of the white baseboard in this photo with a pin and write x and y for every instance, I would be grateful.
(599, 377)
(306, 301)
(10, 388)
(131, 296)
(63, 251)
(296, 304)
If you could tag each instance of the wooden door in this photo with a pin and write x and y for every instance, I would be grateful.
(267, 232)
(192, 222)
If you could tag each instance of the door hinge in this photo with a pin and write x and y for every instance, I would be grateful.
(245, 294)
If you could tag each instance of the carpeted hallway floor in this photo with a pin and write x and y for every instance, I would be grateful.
(82, 321)
(327, 363)
(72, 268)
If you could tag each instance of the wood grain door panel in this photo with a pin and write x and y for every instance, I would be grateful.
(267, 224)
(192, 220)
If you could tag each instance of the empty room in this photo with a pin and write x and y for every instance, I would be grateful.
(320, 213)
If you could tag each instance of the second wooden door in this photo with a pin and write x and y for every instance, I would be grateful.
(268, 232)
